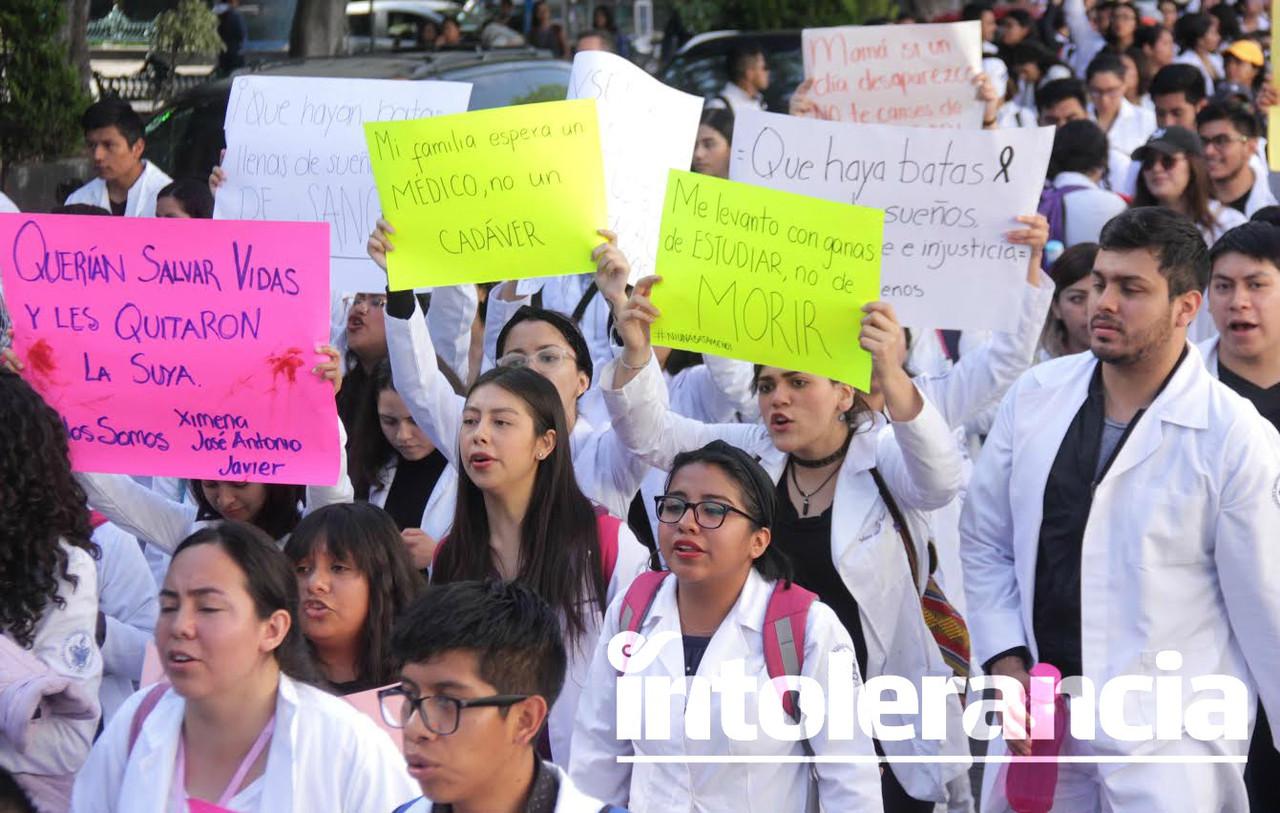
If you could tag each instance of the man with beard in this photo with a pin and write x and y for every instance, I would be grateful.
(1230, 134)
(1119, 523)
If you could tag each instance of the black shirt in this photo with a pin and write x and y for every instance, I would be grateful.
(117, 209)
(1266, 401)
(807, 543)
(695, 646)
(412, 487)
(1241, 203)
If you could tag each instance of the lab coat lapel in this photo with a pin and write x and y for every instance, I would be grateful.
(1184, 401)
(664, 621)
(149, 775)
(730, 640)
(278, 794)
(858, 517)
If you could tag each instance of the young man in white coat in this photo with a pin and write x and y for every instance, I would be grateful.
(126, 184)
(482, 664)
(1244, 298)
(1116, 526)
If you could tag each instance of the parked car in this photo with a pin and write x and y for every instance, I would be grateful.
(392, 25)
(701, 66)
(185, 138)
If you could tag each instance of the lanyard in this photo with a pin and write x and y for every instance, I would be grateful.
(178, 797)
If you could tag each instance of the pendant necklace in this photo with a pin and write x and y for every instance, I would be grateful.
(804, 508)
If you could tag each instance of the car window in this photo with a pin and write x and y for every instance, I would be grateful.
(514, 83)
(704, 73)
(165, 134)
(404, 26)
(358, 24)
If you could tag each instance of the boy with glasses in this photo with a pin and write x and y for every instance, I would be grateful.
(1230, 134)
(482, 663)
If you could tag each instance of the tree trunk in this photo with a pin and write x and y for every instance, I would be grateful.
(319, 27)
(74, 35)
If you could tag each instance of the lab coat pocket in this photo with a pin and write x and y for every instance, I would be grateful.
(1165, 528)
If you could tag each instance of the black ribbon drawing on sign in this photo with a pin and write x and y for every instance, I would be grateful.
(1006, 158)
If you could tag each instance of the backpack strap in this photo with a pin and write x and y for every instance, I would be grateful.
(143, 711)
(904, 531)
(637, 602)
(607, 529)
(785, 618)
(580, 309)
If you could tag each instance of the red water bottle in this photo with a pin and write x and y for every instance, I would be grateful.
(1030, 782)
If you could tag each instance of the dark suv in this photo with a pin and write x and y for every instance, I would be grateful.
(701, 66)
(184, 138)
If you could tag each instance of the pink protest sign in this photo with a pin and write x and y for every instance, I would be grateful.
(178, 348)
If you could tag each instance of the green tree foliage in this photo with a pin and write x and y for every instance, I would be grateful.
(764, 15)
(40, 95)
(191, 29)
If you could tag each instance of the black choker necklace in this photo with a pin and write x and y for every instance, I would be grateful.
(826, 461)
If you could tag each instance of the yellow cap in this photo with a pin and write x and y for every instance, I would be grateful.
(1247, 51)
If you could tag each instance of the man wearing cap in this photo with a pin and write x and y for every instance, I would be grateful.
(1230, 134)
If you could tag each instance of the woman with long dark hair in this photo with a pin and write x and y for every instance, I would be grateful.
(49, 599)
(1174, 175)
(520, 515)
(238, 724)
(354, 578)
(395, 466)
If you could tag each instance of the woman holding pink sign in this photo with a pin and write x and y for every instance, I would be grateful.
(238, 727)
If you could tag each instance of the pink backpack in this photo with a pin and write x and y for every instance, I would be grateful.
(144, 710)
(785, 618)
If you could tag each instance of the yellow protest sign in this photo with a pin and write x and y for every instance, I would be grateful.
(765, 276)
(490, 195)
(1273, 116)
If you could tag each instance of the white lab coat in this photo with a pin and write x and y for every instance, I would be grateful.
(324, 756)
(767, 786)
(141, 201)
(127, 597)
(1132, 127)
(163, 522)
(64, 638)
(922, 468)
(607, 473)
(1182, 513)
(571, 799)
(437, 515)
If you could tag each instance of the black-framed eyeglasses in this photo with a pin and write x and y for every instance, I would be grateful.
(709, 514)
(1222, 141)
(439, 712)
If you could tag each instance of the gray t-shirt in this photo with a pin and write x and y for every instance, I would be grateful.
(1111, 434)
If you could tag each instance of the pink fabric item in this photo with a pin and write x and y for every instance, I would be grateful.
(28, 685)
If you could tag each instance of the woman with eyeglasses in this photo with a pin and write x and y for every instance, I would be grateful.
(395, 466)
(520, 516)
(545, 341)
(1174, 175)
(238, 723)
(716, 534)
